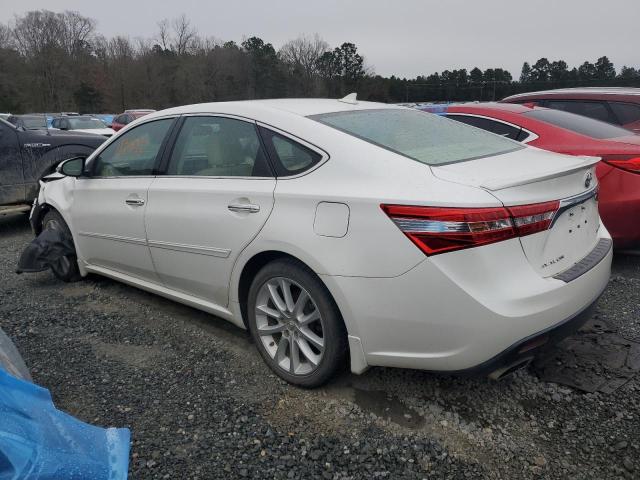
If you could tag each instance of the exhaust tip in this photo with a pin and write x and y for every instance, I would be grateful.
(507, 370)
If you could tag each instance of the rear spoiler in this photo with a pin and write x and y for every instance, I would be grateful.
(502, 183)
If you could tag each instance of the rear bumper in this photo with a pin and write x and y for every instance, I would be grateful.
(532, 346)
(469, 311)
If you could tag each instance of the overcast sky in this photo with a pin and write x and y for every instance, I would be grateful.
(401, 37)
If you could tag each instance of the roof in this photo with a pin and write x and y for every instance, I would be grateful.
(255, 108)
(581, 91)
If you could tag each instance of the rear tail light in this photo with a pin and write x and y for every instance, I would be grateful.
(630, 163)
(437, 230)
(533, 218)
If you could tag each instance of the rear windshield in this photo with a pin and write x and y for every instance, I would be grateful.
(578, 124)
(421, 136)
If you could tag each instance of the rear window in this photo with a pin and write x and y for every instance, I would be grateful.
(578, 124)
(427, 138)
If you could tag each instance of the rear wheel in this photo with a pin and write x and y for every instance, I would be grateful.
(295, 324)
(67, 268)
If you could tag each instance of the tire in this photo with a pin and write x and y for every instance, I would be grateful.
(308, 326)
(68, 271)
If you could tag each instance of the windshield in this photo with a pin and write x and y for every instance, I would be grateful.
(34, 123)
(421, 136)
(578, 124)
(86, 123)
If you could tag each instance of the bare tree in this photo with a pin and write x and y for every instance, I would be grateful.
(300, 56)
(184, 35)
(164, 37)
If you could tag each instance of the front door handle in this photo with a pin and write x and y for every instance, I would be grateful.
(136, 202)
(244, 207)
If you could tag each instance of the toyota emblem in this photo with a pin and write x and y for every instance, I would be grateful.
(587, 179)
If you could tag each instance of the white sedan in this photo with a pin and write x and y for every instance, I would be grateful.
(340, 230)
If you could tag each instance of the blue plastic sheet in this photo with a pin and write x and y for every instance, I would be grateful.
(39, 442)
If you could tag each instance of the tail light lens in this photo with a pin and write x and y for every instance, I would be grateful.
(437, 230)
(630, 163)
(533, 218)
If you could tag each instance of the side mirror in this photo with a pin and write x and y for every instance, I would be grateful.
(72, 167)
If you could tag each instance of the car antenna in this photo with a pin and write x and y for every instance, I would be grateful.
(350, 99)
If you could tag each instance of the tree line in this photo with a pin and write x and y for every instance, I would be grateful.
(51, 62)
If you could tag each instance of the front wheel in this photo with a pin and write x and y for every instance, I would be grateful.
(66, 268)
(295, 324)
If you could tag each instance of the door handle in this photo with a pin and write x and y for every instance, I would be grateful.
(136, 202)
(244, 207)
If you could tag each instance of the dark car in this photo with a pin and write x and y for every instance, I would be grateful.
(617, 105)
(124, 119)
(29, 122)
(28, 155)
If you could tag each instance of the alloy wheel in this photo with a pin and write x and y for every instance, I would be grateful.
(290, 326)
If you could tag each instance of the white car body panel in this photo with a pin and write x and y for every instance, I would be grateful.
(401, 308)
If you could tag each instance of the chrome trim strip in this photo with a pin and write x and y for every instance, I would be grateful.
(115, 238)
(197, 249)
(567, 203)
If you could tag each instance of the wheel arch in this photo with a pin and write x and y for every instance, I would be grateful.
(259, 259)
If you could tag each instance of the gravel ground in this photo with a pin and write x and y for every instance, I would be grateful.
(201, 404)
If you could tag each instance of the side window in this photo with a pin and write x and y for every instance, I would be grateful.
(64, 124)
(134, 153)
(289, 156)
(55, 123)
(597, 110)
(492, 126)
(218, 147)
(627, 113)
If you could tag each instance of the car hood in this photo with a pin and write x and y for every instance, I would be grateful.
(61, 137)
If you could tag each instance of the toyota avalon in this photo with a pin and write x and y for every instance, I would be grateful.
(341, 230)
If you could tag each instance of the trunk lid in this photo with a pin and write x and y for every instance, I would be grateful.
(530, 176)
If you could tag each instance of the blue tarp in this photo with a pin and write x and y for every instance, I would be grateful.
(39, 442)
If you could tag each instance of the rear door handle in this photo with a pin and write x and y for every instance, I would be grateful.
(136, 202)
(244, 207)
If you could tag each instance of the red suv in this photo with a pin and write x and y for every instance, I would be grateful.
(617, 105)
(122, 120)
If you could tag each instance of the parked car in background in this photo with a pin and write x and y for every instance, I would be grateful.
(124, 119)
(107, 118)
(617, 105)
(83, 124)
(29, 122)
(28, 155)
(330, 227)
(563, 132)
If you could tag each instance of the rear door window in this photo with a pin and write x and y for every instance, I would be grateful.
(489, 125)
(211, 146)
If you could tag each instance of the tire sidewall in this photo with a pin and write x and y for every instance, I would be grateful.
(334, 332)
(73, 273)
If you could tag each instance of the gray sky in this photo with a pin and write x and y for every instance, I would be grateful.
(401, 37)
